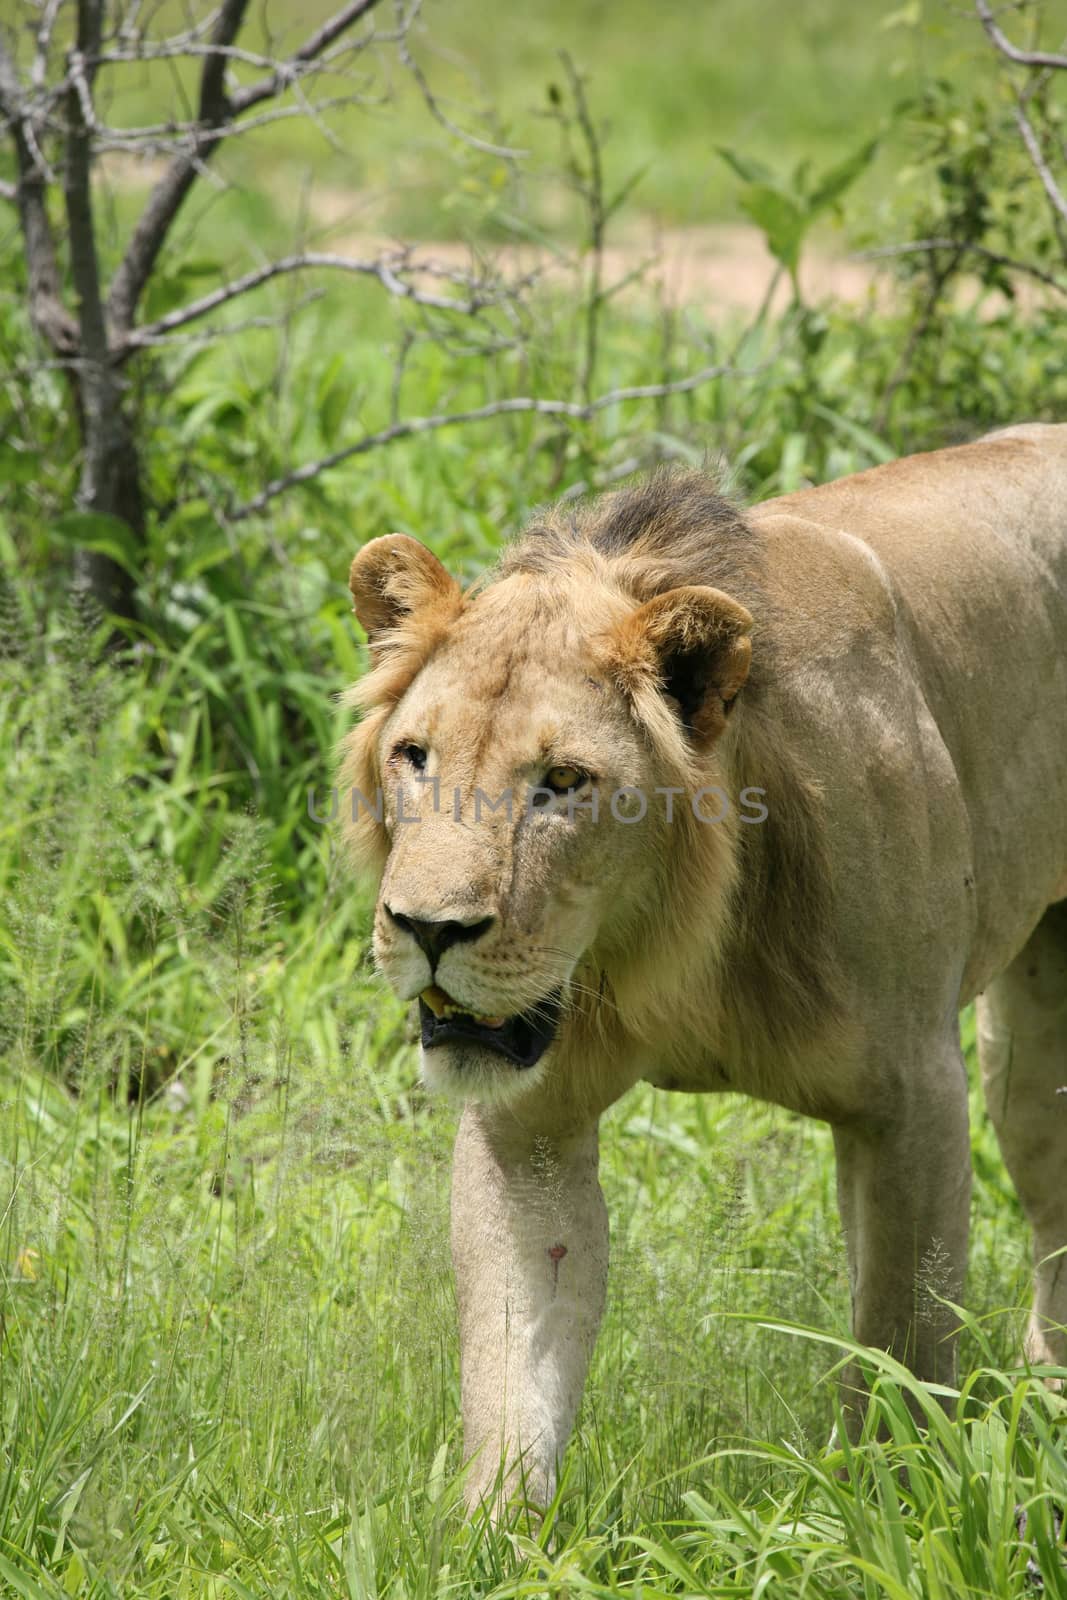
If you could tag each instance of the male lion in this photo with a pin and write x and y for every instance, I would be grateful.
(867, 684)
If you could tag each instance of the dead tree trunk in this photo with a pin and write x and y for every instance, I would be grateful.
(110, 475)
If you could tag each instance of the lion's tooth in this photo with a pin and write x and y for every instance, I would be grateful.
(436, 999)
(442, 1005)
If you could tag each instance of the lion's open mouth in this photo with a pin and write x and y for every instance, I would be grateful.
(522, 1040)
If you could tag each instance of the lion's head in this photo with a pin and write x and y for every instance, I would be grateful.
(523, 780)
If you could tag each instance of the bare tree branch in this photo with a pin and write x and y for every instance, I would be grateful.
(39, 70)
(218, 111)
(572, 410)
(285, 74)
(917, 247)
(49, 316)
(1041, 64)
(434, 107)
(173, 138)
(215, 109)
(1056, 198)
(1022, 58)
(385, 268)
(216, 331)
(183, 47)
(9, 191)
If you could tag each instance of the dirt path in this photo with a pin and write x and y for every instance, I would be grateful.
(722, 267)
(728, 266)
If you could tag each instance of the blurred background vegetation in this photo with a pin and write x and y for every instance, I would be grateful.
(228, 1362)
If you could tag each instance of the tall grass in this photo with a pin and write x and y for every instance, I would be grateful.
(229, 1361)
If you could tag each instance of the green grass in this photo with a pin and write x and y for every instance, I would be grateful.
(229, 1361)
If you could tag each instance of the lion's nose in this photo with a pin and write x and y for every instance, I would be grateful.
(434, 938)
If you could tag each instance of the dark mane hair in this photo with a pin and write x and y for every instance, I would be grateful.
(673, 528)
(677, 521)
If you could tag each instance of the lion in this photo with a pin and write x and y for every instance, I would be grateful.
(724, 800)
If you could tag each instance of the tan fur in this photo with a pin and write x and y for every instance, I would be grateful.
(885, 660)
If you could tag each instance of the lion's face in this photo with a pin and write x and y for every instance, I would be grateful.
(501, 748)
(509, 731)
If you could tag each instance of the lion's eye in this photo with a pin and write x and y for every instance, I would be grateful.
(413, 754)
(561, 780)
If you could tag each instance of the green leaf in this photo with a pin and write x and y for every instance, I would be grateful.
(19, 463)
(170, 289)
(833, 184)
(748, 170)
(95, 530)
(869, 442)
(783, 223)
(217, 407)
(625, 190)
(791, 472)
(333, 398)
(195, 540)
(22, 1583)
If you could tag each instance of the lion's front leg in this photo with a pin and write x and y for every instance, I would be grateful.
(904, 1183)
(530, 1250)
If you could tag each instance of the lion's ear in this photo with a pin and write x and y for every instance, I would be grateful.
(394, 578)
(695, 642)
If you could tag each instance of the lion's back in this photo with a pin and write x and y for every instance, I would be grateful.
(970, 545)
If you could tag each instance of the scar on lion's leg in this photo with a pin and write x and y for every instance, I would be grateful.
(556, 1253)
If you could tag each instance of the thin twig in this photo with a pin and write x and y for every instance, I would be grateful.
(916, 247)
(39, 70)
(182, 48)
(173, 138)
(592, 192)
(79, 82)
(1056, 198)
(216, 331)
(434, 107)
(286, 72)
(602, 480)
(1022, 58)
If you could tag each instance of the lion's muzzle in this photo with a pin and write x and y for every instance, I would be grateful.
(522, 1039)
